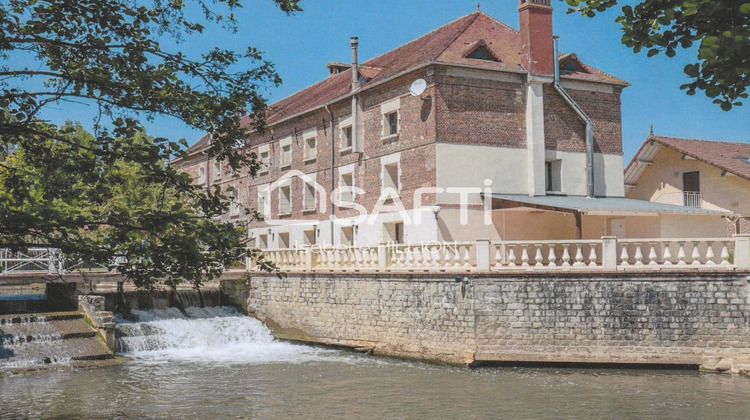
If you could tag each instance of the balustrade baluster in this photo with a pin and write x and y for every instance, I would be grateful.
(538, 257)
(579, 256)
(696, 254)
(624, 257)
(724, 254)
(525, 255)
(592, 256)
(681, 254)
(498, 256)
(710, 253)
(467, 256)
(427, 261)
(511, 256)
(652, 257)
(638, 255)
(566, 255)
(456, 256)
(418, 257)
(667, 254)
(551, 256)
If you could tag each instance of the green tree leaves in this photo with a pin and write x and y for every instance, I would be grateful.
(111, 193)
(721, 28)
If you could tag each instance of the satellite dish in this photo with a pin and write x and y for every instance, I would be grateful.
(418, 87)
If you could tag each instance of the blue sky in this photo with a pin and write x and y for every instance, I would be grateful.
(300, 46)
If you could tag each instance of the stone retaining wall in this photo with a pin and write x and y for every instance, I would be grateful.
(654, 318)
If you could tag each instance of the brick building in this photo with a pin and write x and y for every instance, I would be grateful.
(694, 173)
(469, 154)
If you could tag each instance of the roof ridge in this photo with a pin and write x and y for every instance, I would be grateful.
(426, 35)
(448, 45)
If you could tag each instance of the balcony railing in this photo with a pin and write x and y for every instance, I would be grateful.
(605, 254)
(692, 199)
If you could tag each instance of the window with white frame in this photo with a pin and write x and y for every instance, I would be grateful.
(553, 175)
(346, 185)
(286, 156)
(390, 112)
(311, 148)
(201, 175)
(284, 240)
(217, 170)
(265, 160)
(346, 142)
(285, 200)
(308, 195)
(262, 241)
(263, 202)
(234, 204)
(390, 176)
(390, 124)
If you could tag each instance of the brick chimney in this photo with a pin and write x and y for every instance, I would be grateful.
(536, 35)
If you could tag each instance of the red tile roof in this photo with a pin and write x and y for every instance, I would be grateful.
(446, 44)
(723, 155)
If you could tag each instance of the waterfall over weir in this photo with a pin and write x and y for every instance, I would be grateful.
(219, 334)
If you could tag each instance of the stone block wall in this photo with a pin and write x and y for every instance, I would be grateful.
(693, 318)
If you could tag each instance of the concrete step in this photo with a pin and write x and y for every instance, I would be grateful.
(38, 317)
(54, 338)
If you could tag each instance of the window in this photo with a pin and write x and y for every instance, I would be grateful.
(390, 124)
(286, 156)
(308, 237)
(346, 183)
(390, 177)
(285, 200)
(691, 187)
(553, 175)
(347, 138)
(262, 241)
(482, 53)
(234, 203)
(265, 161)
(217, 170)
(201, 175)
(393, 232)
(284, 240)
(308, 194)
(347, 236)
(262, 202)
(311, 149)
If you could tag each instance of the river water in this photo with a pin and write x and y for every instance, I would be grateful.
(218, 364)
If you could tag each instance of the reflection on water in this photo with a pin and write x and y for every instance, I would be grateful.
(292, 381)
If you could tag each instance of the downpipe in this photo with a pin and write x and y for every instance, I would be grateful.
(586, 119)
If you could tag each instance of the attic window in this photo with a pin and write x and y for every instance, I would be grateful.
(744, 159)
(571, 66)
(482, 53)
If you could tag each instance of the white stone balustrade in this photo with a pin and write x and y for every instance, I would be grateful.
(605, 254)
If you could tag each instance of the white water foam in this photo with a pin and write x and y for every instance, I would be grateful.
(218, 334)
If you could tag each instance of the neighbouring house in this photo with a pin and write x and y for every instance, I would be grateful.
(474, 130)
(697, 174)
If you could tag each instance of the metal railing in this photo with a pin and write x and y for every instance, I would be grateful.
(692, 199)
(37, 260)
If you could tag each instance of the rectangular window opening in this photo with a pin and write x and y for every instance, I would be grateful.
(309, 196)
(346, 184)
(311, 149)
(285, 200)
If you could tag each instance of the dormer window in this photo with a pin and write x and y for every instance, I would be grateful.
(482, 53)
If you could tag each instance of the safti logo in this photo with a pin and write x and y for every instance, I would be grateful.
(345, 197)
